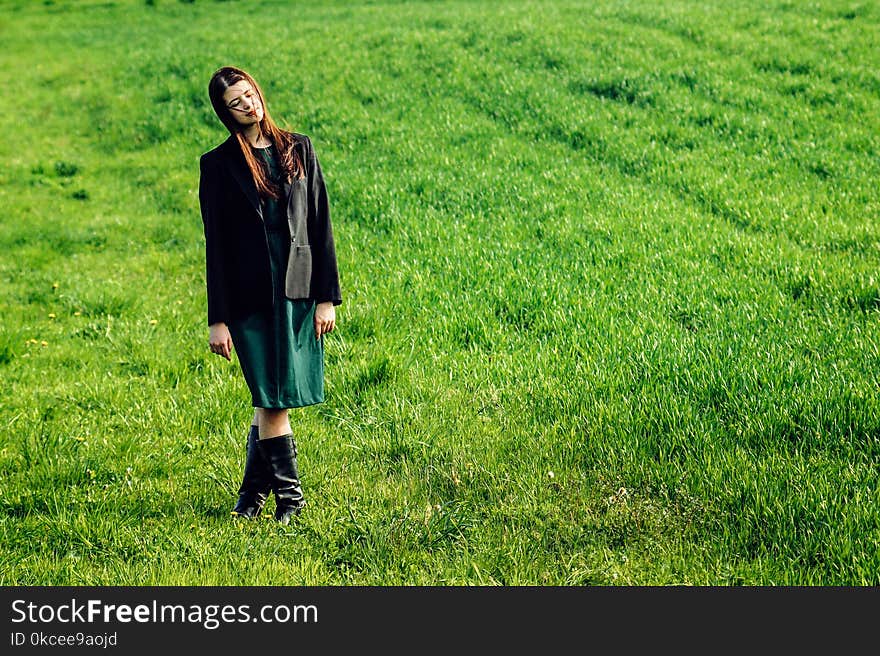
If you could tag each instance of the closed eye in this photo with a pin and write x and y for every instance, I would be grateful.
(236, 102)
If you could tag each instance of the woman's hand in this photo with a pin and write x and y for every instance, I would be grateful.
(325, 318)
(220, 339)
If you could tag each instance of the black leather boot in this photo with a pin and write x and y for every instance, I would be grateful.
(280, 453)
(257, 481)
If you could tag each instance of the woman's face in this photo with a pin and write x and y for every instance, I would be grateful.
(244, 103)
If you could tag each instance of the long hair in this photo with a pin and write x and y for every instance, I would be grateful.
(289, 160)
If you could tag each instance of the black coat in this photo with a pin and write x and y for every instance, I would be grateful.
(239, 276)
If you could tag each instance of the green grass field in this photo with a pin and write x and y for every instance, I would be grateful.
(611, 294)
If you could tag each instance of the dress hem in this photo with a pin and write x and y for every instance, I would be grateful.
(285, 407)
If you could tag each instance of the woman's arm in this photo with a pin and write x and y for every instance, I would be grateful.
(325, 273)
(209, 188)
(218, 333)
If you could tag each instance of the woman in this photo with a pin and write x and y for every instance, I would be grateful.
(272, 278)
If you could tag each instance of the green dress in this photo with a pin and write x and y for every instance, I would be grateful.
(282, 362)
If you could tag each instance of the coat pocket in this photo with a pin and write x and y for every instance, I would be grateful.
(297, 283)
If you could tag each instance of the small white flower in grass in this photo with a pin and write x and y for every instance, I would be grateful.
(51, 315)
(551, 474)
(77, 313)
(153, 322)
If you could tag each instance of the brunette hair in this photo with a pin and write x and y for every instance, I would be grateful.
(289, 160)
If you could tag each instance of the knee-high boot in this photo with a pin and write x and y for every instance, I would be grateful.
(257, 481)
(280, 453)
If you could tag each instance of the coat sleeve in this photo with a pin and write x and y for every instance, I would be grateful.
(209, 186)
(325, 272)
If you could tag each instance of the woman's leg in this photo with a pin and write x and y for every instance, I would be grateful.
(272, 422)
(257, 480)
(279, 449)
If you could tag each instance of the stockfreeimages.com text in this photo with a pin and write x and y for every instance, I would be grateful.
(210, 616)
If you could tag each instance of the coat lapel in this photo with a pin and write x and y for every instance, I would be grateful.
(239, 169)
(288, 187)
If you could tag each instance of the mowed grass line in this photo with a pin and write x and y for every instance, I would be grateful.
(610, 287)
